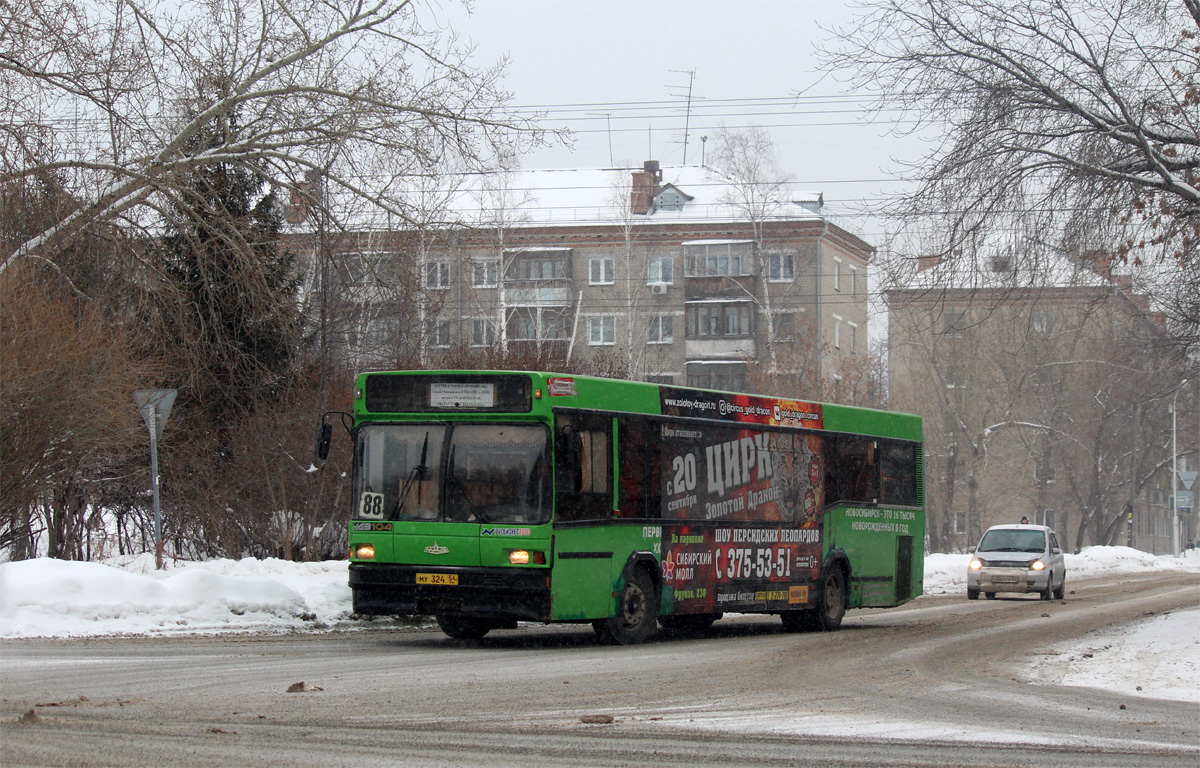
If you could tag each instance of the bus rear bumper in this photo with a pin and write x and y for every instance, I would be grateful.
(496, 593)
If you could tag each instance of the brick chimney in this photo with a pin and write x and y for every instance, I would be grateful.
(303, 194)
(645, 186)
(928, 262)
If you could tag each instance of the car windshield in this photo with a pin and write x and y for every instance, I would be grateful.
(485, 473)
(1010, 540)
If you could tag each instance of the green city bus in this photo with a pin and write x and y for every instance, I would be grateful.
(484, 498)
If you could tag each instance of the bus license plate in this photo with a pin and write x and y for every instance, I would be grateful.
(444, 579)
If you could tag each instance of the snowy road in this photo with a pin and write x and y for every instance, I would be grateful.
(942, 681)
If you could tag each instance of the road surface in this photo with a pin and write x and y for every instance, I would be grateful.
(939, 681)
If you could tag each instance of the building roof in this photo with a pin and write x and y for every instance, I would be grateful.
(594, 196)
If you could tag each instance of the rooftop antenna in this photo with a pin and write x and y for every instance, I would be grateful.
(608, 120)
(687, 120)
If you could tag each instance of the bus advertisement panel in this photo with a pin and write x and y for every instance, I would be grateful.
(767, 486)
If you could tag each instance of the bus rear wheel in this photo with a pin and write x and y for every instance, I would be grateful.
(637, 612)
(462, 627)
(831, 601)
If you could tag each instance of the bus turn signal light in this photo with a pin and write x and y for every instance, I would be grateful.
(364, 552)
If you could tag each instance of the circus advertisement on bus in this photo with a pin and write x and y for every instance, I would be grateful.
(709, 570)
(746, 506)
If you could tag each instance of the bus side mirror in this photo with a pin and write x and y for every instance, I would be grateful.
(324, 434)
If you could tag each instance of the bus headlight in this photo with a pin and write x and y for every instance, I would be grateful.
(1037, 565)
(525, 557)
(976, 564)
(364, 552)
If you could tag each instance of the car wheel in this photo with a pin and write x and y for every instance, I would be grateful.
(1049, 590)
(1061, 592)
(637, 611)
(972, 594)
(990, 595)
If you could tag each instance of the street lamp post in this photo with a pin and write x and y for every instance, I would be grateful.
(1175, 471)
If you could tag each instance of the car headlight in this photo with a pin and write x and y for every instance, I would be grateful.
(976, 564)
(1037, 565)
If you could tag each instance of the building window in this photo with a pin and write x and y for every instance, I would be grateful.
(600, 271)
(522, 324)
(724, 259)
(853, 280)
(602, 330)
(783, 326)
(437, 274)
(852, 329)
(485, 273)
(537, 265)
(1043, 323)
(660, 269)
(837, 274)
(720, 320)
(730, 377)
(438, 332)
(783, 267)
(1048, 518)
(837, 332)
(483, 332)
(953, 324)
(662, 329)
(955, 374)
(554, 324)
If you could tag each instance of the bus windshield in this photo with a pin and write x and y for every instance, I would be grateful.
(484, 473)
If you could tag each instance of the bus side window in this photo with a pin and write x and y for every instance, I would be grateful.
(899, 473)
(854, 466)
(639, 481)
(584, 481)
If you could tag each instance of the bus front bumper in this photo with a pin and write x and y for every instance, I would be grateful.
(496, 593)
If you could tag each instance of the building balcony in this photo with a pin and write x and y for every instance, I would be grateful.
(539, 293)
(720, 348)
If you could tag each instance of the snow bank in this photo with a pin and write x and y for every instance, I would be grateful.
(54, 598)
(947, 574)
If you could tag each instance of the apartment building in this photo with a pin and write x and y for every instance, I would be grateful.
(682, 275)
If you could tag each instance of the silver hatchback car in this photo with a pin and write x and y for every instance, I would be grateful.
(1017, 558)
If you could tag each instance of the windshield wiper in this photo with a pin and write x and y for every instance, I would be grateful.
(416, 473)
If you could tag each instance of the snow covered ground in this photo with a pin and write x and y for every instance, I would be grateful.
(1158, 657)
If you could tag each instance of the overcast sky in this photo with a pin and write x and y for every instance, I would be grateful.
(621, 65)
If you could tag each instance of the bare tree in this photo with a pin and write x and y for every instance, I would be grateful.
(361, 93)
(1079, 113)
(758, 191)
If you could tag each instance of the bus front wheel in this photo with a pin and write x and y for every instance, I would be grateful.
(637, 612)
(461, 627)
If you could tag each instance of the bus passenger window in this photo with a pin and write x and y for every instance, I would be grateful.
(639, 480)
(900, 473)
(584, 467)
(855, 470)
